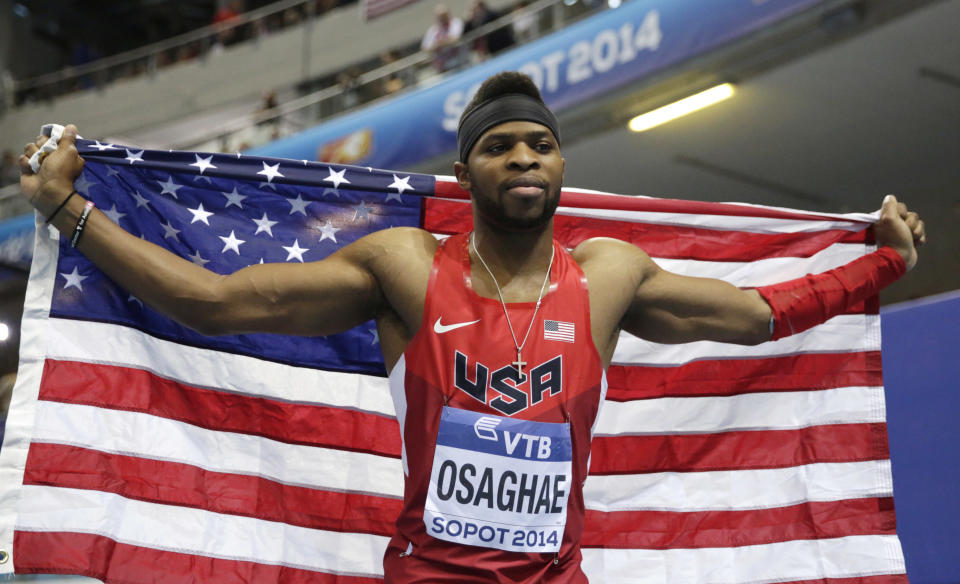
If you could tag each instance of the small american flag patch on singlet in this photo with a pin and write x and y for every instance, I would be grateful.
(556, 330)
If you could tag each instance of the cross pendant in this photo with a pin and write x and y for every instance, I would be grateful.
(519, 363)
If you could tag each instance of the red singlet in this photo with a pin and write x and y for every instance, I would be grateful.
(502, 492)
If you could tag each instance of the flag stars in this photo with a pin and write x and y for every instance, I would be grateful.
(295, 251)
(264, 224)
(197, 259)
(328, 231)
(200, 214)
(401, 184)
(133, 298)
(140, 199)
(169, 231)
(232, 243)
(169, 187)
(376, 336)
(82, 184)
(134, 156)
(74, 279)
(102, 147)
(114, 214)
(111, 171)
(362, 212)
(337, 178)
(203, 179)
(271, 172)
(203, 163)
(298, 205)
(234, 198)
(333, 192)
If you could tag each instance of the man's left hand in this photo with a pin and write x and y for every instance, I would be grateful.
(901, 229)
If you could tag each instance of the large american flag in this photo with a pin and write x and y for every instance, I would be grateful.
(138, 450)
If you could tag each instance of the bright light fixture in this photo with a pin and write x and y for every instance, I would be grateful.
(4, 331)
(680, 108)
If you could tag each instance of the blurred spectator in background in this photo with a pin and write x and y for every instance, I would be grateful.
(9, 171)
(6, 91)
(348, 81)
(393, 82)
(495, 41)
(526, 27)
(441, 39)
(226, 18)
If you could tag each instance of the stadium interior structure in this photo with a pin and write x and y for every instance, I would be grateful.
(836, 106)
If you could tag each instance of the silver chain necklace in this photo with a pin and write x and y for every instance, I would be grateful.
(519, 363)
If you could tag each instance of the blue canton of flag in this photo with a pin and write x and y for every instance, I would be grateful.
(557, 330)
(228, 211)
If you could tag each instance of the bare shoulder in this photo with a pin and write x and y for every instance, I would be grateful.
(606, 256)
(614, 270)
(399, 245)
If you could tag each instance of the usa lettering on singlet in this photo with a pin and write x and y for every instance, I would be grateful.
(499, 482)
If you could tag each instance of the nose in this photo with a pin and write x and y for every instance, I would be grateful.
(523, 157)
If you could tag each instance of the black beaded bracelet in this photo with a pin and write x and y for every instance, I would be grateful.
(60, 207)
(81, 222)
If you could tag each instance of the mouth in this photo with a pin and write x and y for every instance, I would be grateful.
(525, 186)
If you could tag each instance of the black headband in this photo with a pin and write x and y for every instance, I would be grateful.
(505, 108)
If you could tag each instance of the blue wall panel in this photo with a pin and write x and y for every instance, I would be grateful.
(921, 367)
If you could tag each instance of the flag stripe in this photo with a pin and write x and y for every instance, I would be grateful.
(793, 561)
(738, 450)
(136, 434)
(95, 342)
(882, 579)
(663, 241)
(738, 489)
(736, 376)
(182, 529)
(173, 483)
(447, 187)
(844, 333)
(104, 558)
(762, 272)
(170, 483)
(751, 411)
(664, 530)
(135, 390)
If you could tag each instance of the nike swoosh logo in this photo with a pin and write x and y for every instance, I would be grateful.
(445, 328)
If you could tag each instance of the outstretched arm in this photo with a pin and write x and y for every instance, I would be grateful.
(669, 308)
(317, 298)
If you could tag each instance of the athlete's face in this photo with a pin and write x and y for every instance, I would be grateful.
(514, 173)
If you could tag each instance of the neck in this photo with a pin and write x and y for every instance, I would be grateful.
(511, 253)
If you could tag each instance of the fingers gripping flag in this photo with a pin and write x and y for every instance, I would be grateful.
(138, 450)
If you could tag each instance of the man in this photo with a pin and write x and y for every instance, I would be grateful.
(441, 39)
(496, 341)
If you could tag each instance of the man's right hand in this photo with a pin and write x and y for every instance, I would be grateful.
(47, 188)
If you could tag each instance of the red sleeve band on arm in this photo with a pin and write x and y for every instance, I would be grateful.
(805, 302)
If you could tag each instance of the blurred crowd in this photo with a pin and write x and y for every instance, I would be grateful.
(451, 41)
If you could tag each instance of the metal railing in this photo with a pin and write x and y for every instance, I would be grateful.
(413, 70)
(148, 59)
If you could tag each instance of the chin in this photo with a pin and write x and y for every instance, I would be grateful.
(495, 216)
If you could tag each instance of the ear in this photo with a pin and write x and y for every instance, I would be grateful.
(463, 175)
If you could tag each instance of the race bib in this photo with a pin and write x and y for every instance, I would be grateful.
(499, 483)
